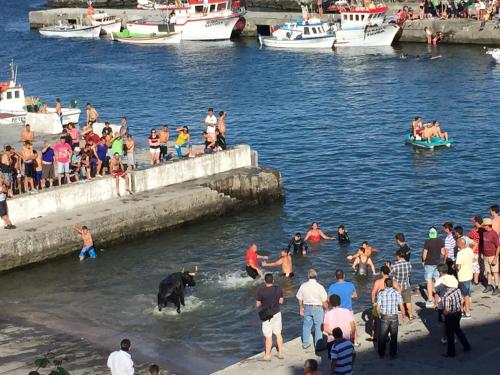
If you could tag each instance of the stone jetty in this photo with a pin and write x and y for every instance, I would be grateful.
(165, 196)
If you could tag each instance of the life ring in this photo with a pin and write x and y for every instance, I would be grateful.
(4, 86)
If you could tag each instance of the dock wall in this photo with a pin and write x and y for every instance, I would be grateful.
(91, 193)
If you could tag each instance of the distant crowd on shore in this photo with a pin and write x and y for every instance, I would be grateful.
(452, 264)
(482, 10)
(82, 155)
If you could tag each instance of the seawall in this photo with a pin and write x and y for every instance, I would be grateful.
(461, 31)
(168, 195)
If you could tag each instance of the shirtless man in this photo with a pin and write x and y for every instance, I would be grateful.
(221, 126)
(88, 243)
(285, 262)
(4, 212)
(29, 167)
(164, 136)
(427, 132)
(379, 285)
(368, 251)
(495, 218)
(118, 171)
(130, 146)
(92, 114)
(436, 131)
(27, 134)
(44, 108)
(362, 262)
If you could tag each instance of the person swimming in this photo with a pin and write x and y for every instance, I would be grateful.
(342, 236)
(315, 234)
(252, 263)
(285, 262)
(362, 262)
(298, 244)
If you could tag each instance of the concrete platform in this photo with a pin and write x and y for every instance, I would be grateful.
(419, 349)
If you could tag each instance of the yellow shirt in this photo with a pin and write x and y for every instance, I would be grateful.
(465, 258)
(181, 139)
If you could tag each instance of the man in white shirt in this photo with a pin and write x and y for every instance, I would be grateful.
(312, 299)
(463, 264)
(210, 123)
(120, 362)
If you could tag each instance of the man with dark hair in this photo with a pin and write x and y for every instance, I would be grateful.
(344, 289)
(338, 317)
(449, 241)
(154, 370)
(120, 362)
(342, 354)
(311, 367)
(431, 256)
(298, 244)
(403, 246)
(269, 298)
(388, 301)
(285, 261)
(401, 272)
(476, 236)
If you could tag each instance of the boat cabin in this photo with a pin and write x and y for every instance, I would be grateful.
(359, 18)
(191, 7)
(11, 94)
(312, 28)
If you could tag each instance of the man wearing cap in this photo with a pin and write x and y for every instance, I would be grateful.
(490, 253)
(312, 299)
(431, 257)
(452, 302)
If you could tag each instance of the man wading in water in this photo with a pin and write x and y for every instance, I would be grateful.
(285, 262)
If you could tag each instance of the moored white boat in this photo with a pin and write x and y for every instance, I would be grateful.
(71, 31)
(365, 27)
(300, 34)
(192, 18)
(14, 108)
(160, 38)
(109, 24)
(495, 53)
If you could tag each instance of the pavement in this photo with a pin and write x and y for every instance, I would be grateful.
(419, 347)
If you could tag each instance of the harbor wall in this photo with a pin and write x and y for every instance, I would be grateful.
(68, 197)
(456, 31)
(123, 219)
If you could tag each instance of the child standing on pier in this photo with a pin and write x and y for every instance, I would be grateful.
(88, 244)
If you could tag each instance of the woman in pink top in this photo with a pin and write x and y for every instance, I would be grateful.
(75, 135)
(338, 317)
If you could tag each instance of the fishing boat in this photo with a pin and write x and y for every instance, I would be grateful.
(311, 33)
(71, 31)
(215, 20)
(109, 24)
(14, 105)
(161, 38)
(495, 53)
(434, 143)
(364, 27)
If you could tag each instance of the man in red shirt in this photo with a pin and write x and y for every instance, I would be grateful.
(490, 253)
(252, 263)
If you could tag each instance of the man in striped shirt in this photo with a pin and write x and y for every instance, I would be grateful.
(388, 301)
(342, 354)
(449, 241)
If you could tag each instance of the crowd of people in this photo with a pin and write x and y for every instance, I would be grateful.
(452, 265)
(82, 155)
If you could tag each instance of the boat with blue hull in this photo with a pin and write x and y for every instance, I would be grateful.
(434, 143)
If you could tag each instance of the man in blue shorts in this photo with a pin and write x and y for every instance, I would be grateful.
(431, 256)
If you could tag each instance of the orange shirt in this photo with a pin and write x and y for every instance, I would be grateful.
(251, 257)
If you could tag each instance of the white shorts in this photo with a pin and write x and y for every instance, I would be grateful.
(154, 150)
(62, 168)
(272, 326)
(475, 265)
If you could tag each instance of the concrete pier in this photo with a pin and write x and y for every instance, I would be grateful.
(167, 195)
(462, 31)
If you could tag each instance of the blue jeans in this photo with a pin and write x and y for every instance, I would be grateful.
(313, 316)
(178, 148)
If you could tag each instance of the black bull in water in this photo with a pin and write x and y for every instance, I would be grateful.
(171, 289)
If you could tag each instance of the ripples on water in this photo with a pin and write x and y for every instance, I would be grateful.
(331, 122)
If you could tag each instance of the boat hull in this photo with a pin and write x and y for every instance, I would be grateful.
(90, 32)
(313, 43)
(108, 27)
(435, 143)
(219, 28)
(49, 123)
(172, 38)
(375, 36)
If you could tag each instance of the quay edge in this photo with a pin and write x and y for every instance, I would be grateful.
(153, 209)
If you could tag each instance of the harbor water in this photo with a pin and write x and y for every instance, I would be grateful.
(332, 122)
